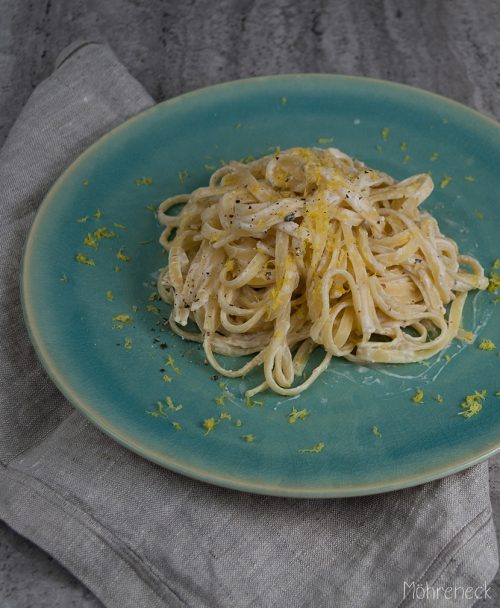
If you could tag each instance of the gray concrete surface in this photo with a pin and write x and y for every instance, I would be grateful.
(447, 46)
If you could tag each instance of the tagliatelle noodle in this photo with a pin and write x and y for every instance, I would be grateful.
(305, 248)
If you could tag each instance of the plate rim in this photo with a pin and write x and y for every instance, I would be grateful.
(138, 447)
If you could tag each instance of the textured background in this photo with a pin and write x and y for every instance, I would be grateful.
(451, 47)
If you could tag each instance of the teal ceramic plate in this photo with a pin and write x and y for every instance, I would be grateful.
(115, 371)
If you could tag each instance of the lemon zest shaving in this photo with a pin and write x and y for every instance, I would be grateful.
(220, 400)
(249, 402)
(121, 256)
(230, 265)
(160, 412)
(104, 233)
(90, 241)
(487, 344)
(296, 414)
(171, 363)
(248, 438)
(83, 259)
(143, 181)
(494, 283)
(182, 175)
(171, 405)
(123, 318)
(209, 424)
(473, 404)
(445, 181)
(315, 449)
(418, 397)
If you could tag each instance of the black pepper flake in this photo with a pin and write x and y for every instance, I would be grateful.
(162, 369)
(290, 217)
(215, 377)
(163, 345)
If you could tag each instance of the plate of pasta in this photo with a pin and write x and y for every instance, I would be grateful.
(284, 285)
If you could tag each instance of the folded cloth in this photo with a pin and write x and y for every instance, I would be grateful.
(141, 536)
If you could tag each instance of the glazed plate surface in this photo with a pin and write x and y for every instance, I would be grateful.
(101, 336)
